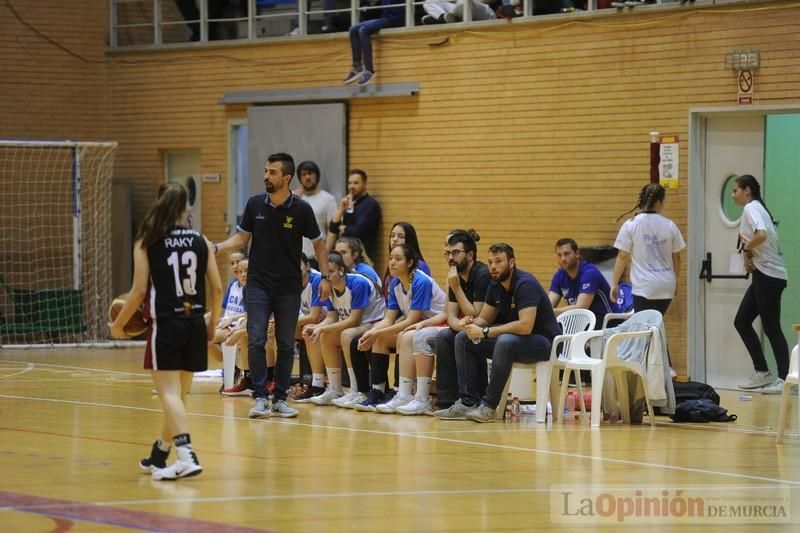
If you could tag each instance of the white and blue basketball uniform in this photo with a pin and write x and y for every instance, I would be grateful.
(423, 295)
(233, 301)
(359, 293)
(366, 270)
(310, 296)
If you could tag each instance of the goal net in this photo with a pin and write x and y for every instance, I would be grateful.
(55, 265)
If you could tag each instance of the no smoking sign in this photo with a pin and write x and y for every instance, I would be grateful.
(745, 86)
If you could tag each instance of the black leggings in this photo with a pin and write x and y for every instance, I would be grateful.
(763, 298)
(640, 303)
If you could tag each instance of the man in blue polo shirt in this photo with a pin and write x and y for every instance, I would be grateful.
(516, 324)
(277, 222)
(579, 283)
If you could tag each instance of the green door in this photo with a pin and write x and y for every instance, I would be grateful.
(782, 195)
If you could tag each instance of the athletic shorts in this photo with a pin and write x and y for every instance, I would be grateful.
(425, 339)
(177, 344)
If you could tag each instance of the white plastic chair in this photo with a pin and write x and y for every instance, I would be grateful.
(622, 317)
(792, 378)
(578, 359)
(572, 322)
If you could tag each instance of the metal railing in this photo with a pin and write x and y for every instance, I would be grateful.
(155, 23)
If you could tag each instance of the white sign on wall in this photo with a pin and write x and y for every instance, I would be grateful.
(668, 167)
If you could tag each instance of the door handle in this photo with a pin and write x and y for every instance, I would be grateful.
(706, 271)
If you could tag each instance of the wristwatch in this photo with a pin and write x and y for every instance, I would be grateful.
(485, 332)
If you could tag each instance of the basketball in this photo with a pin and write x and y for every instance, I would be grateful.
(137, 325)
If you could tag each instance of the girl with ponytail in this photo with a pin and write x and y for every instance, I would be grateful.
(650, 244)
(172, 264)
(758, 241)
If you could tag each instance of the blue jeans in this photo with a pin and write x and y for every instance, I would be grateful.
(361, 43)
(504, 350)
(261, 304)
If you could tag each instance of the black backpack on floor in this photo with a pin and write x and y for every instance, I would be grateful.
(701, 411)
(694, 390)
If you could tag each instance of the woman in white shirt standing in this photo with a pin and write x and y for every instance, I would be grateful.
(651, 244)
(758, 241)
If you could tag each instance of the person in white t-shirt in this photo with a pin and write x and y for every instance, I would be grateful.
(650, 244)
(758, 241)
(322, 202)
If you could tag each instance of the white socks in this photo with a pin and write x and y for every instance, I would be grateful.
(423, 389)
(335, 379)
(353, 380)
(317, 380)
(406, 387)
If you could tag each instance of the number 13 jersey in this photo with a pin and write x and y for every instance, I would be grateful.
(177, 275)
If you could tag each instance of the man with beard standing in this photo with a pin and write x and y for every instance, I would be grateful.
(467, 281)
(277, 222)
(359, 214)
(321, 201)
(516, 324)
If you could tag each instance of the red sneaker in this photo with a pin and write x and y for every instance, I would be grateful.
(244, 387)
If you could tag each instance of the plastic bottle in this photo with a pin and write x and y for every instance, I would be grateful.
(507, 411)
(515, 409)
(570, 403)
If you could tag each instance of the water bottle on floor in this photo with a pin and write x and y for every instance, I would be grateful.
(515, 409)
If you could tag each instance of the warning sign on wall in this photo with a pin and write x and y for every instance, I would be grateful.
(745, 85)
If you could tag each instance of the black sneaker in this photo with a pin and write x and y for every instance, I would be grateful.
(157, 459)
(374, 398)
(307, 394)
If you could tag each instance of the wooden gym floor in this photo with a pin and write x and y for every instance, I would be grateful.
(74, 422)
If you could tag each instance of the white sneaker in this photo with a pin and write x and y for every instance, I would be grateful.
(186, 465)
(326, 398)
(416, 407)
(352, 402)
(338, 402)
(776, 387)
(757, 380)
(392, 405)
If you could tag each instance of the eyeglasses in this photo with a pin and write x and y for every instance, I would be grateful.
(452, 253)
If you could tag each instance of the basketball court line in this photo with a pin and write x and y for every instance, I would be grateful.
(591, 458)
(25, 370)
(85, 369)
(749, 430)
(383, 494)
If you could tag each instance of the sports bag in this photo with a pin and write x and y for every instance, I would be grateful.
(694, 390)
(701, 411)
